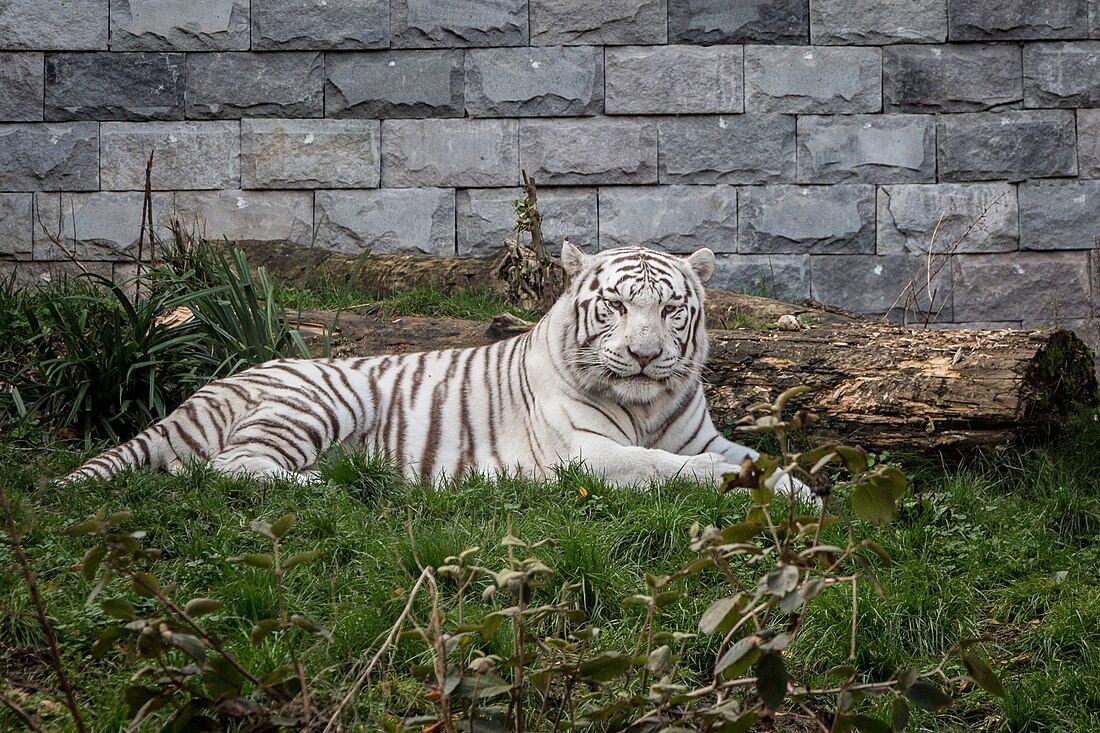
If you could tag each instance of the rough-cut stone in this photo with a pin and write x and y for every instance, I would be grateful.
(277, 216)
(605, 23)
(395, 84)
(955, 77)
(20, 87)
(1030, 286)
(1094, 20)
(1059, 214)
(602, 150)
(807, 219)
(675, 79)
(727, 149)
(677, 219)
(53, 25)
(114, 86)
(1088, 142)
(309, 25)
(463, 153)
(309, 153)
(818, 80)
(387, 220)
(534, 82)
(39, 274)
(188, 155)
(166, 25)
(16, 225)
(486, 217)
(1062, 74)
(866, 149)
(877, 285)
(61, 156)
(785, 277)
(1007, 145)
(961, 217)
(738, 21)
(456, 23)
(235, 85)
(877, 21)
(1016, 20)
(108, 224)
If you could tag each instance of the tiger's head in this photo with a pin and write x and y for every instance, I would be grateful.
(637, 320)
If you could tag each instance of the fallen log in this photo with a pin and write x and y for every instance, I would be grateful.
(875, 384)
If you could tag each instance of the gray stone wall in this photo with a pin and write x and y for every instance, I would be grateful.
(821, 147)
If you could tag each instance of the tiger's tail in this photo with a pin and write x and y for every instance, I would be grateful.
(147, 448)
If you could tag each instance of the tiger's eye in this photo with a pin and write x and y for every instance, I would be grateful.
(618, 305)
(668, 310)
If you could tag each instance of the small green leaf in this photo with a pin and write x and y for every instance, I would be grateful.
(660, 660)
(105, 640)
(262, 528)
(741, 532)
(311, 626)
(190, 645)
(739, 652)
(144, 584)
(92, 559)
(120, 608)
(985, 677)
(721, 616)
(867, 724)
(771, 680)
(782, 580)
(282, 525)
(262, 561)
(927, 696)
(855, 459)
(899, 715)
(300, 558)
(605, 666)
(262, 629)
(906, 678)
(667, 598)
(197, 607)
(873, 503)
(86, 527)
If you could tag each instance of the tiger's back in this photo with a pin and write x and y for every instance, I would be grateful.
(610, 376)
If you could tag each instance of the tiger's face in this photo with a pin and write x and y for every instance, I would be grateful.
(638, 315)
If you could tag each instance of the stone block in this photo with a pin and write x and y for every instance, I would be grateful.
(785, 277)
(21, 87)
(310, 153)
(312, 25)
(1088, 143)
(878, 285)
(601, 150)
(749, 148)
(954, 77)
(1059, 214)
(1028, 286)
(31, 275)
(107, 224)
(16, 226)
(818, 80)
(114, 86)
(1007, 145)
(235, 85)
(387, 220)
(807, 219)
(442, 153)
(458, 23)
(534, 82)
(1062, 74)
(196, 25)
(738, 21)
(1094, 19)
(276, 216)
(54, 25)
(188, 155)
(385, 84)
(60, 156)
(866, 149)
(675, 79)
(485, 217)
(606, 23)
(678, 219)
(961, 217)
(1016, 20)
(856, 22)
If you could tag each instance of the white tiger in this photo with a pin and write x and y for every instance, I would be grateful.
(610, 376)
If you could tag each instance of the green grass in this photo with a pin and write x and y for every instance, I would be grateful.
(1006, 547)
(475, 305)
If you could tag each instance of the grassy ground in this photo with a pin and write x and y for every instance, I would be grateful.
(1007, 547)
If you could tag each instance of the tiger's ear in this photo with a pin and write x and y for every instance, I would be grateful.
(572, 258)
(702, 261)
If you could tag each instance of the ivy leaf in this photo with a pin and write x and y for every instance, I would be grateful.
(985, 677)
(771, 680)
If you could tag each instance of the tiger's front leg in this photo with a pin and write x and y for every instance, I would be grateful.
(629, 465)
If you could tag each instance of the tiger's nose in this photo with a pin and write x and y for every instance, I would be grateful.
(645, 354)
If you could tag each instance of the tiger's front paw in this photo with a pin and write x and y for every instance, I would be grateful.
(710, 467)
